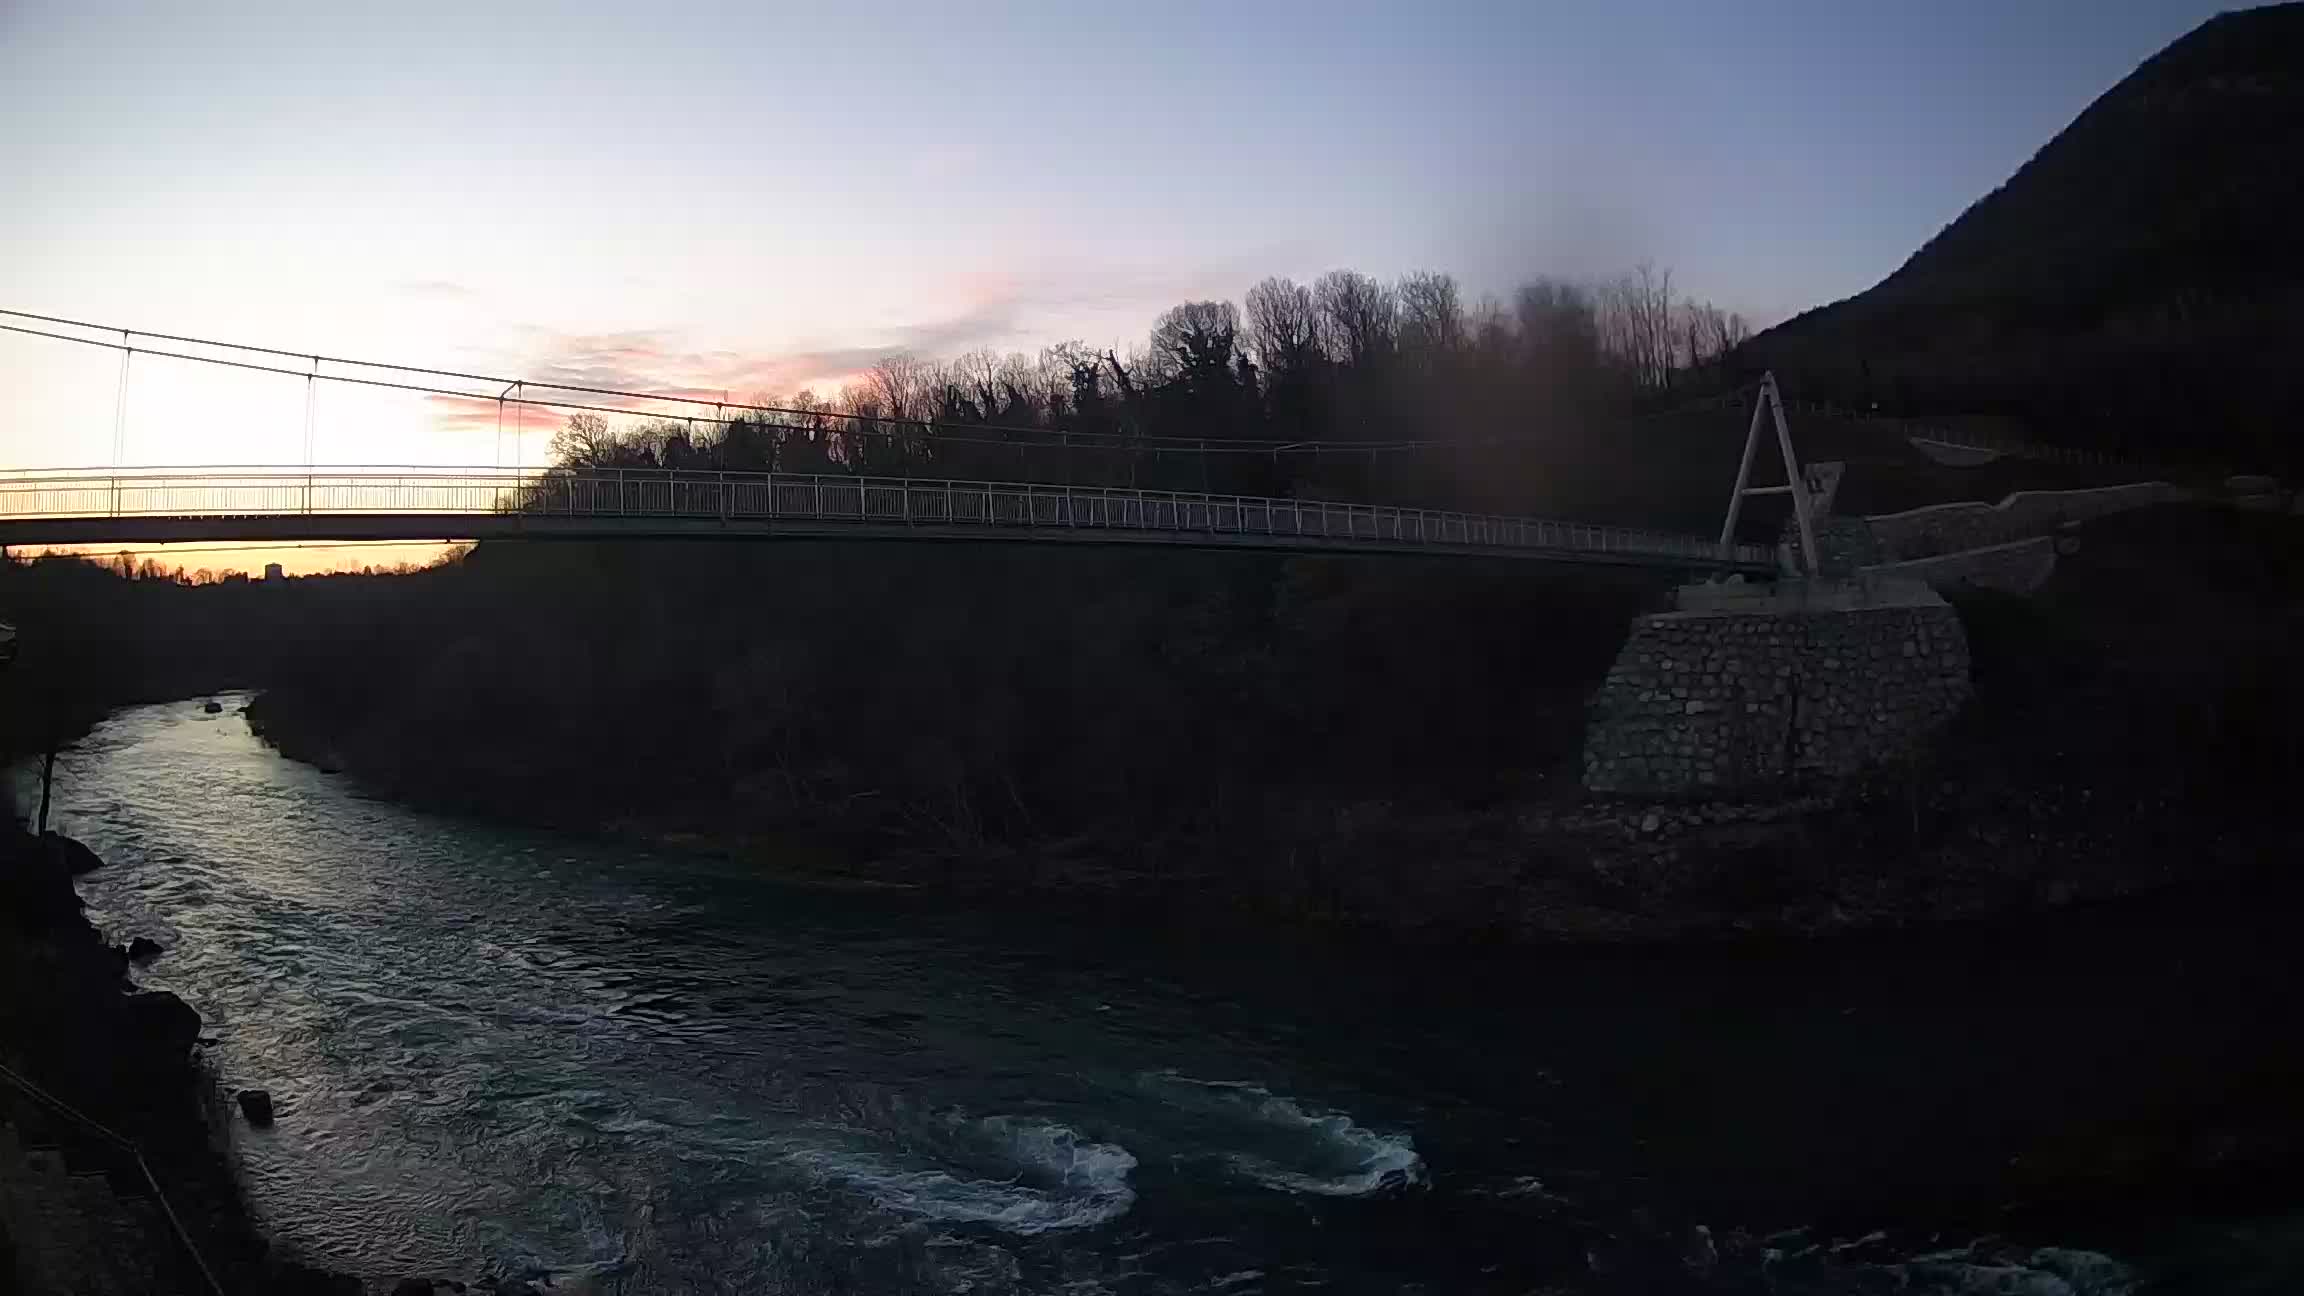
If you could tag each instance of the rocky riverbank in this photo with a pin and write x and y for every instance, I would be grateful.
(1955, 835)
(78, 1209)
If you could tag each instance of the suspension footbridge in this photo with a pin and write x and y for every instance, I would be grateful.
(416, 504)
(856, 499)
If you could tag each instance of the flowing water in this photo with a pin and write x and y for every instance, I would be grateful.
(497, 1051)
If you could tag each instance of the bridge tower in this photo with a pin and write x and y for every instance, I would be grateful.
(1767, 402)
(1743, 688)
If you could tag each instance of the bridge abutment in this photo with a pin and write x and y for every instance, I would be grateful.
(1748, 688)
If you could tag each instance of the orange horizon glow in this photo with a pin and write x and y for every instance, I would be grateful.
(223, 558)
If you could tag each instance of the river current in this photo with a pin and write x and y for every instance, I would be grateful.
(497, 1051)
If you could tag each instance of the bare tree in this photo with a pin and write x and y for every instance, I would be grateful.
(1707, 333)
(807, 444)
(1014, 390)
(1082, 372)
(1123, 374)
(1359, 317)
(1490, 331)
(1560, 332)
(584, 441)
(860, 442)
(1053, 373)
(1636, 323)
(1431, 315)
(1196, 340)
(975, 377)
(902, 386)
(1653, 296)
(1283, 327)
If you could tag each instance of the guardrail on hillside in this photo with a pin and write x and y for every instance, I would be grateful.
(876, 503)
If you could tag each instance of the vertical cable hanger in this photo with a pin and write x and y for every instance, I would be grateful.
(311, 400)
(120, 403)
(498, 460)
(120, 419)
(311, 437)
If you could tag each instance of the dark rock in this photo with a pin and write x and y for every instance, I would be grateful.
(144, 949)
(77, 858)
(414, 1287)
(35, 887)
(256, 1105)
(161, 1022)
(212, 708)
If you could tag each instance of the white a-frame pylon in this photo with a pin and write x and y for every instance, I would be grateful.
(1770, 401)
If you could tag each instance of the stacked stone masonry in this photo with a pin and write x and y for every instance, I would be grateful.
(1723, 704)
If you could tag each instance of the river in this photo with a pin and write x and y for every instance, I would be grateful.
(499, 1051)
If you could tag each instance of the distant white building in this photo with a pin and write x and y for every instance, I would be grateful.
(272, 572)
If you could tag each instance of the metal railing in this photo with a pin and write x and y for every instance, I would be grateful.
(864, 502)
(128, 1148)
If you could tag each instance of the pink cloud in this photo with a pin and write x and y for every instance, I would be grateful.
(476, 414)
(991, 310)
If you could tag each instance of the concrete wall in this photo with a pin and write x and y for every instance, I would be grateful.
(1948, 528)
(1760, 692)
(1843, 544)
(1954, 456)
(2018, 567)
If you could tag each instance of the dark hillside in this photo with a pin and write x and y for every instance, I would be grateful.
(2135, 286)
(963, 695)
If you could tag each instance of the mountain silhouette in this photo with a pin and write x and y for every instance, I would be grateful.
(2136, 286)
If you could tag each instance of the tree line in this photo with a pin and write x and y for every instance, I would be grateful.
(1338, 388)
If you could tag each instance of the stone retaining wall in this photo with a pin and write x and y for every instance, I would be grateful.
(1722, 703)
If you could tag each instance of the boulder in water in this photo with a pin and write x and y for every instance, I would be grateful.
(256, 1105)
(144, 949)
(212, 708)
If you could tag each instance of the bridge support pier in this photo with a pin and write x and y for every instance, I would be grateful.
(1743, 689)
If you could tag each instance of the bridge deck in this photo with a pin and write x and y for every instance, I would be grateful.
(265, 504)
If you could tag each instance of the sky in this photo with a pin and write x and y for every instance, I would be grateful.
(758, 197)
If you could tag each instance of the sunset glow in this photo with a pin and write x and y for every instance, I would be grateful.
(633, 202)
